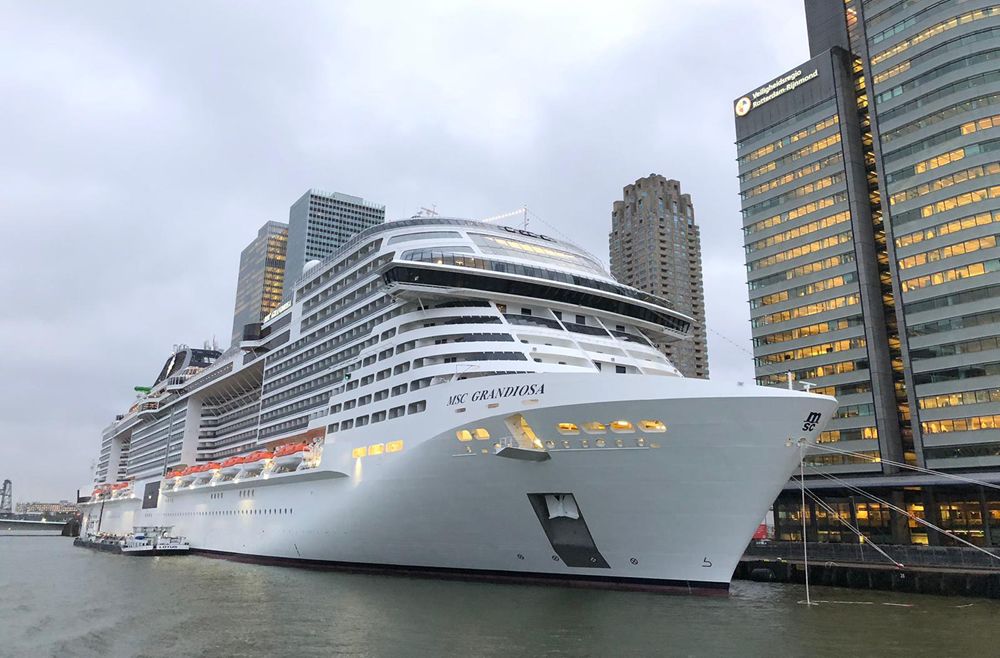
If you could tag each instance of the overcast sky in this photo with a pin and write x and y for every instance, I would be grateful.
(143, 144)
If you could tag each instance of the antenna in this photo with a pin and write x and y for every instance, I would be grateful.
(427, 212)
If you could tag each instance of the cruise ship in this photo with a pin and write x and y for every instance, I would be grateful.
(459, 399)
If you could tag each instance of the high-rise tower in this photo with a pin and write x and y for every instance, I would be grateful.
(871, 212)
(656, 247)
(262, 276)
(319, 222)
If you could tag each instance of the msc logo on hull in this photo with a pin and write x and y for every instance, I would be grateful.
(812, 420)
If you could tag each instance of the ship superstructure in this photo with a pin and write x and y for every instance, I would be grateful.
(457, 397)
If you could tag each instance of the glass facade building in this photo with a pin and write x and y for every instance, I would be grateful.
(319, 222)
(655, 246)
(870, 187)
(262, 276)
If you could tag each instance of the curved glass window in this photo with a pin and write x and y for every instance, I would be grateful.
(416, 254)
(449, 258)
(509, 246)
(427, 235)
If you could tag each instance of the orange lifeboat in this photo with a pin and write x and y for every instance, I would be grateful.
(290, 449)
(206, 471)
(231, 465)
(290, 454)
(254, 462)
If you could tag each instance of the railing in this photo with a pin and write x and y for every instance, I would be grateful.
(585, 329)
(532, 320)
(630, 337)
(953, 557)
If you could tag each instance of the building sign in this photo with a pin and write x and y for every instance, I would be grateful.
(772, 90)
(497, 393)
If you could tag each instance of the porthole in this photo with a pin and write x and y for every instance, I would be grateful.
(550, 444)
(600, 443)
(619, 443)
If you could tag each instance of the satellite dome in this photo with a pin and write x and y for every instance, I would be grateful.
(309, 265)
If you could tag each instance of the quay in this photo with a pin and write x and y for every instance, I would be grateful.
(945, 570)
(64, 528)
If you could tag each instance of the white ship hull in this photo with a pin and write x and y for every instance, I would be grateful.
(675, 509)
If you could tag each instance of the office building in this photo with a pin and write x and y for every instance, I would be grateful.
(655, 246)
(870, 192)
(262, 276)
(319, 222)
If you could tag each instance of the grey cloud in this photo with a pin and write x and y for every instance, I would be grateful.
(143, 144)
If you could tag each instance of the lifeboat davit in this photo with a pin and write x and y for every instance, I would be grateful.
(254, 463)
(290, 454)
(209, 470)
(200, 473)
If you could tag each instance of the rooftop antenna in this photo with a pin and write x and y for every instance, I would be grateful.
(428, 212)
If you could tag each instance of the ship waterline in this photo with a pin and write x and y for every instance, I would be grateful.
(472, 430)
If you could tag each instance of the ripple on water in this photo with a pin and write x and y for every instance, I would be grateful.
(64, 601)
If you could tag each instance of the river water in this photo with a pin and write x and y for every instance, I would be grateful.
(59, 600)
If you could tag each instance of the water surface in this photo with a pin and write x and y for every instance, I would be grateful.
(59, 600)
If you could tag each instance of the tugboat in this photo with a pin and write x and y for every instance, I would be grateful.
(145, 540)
